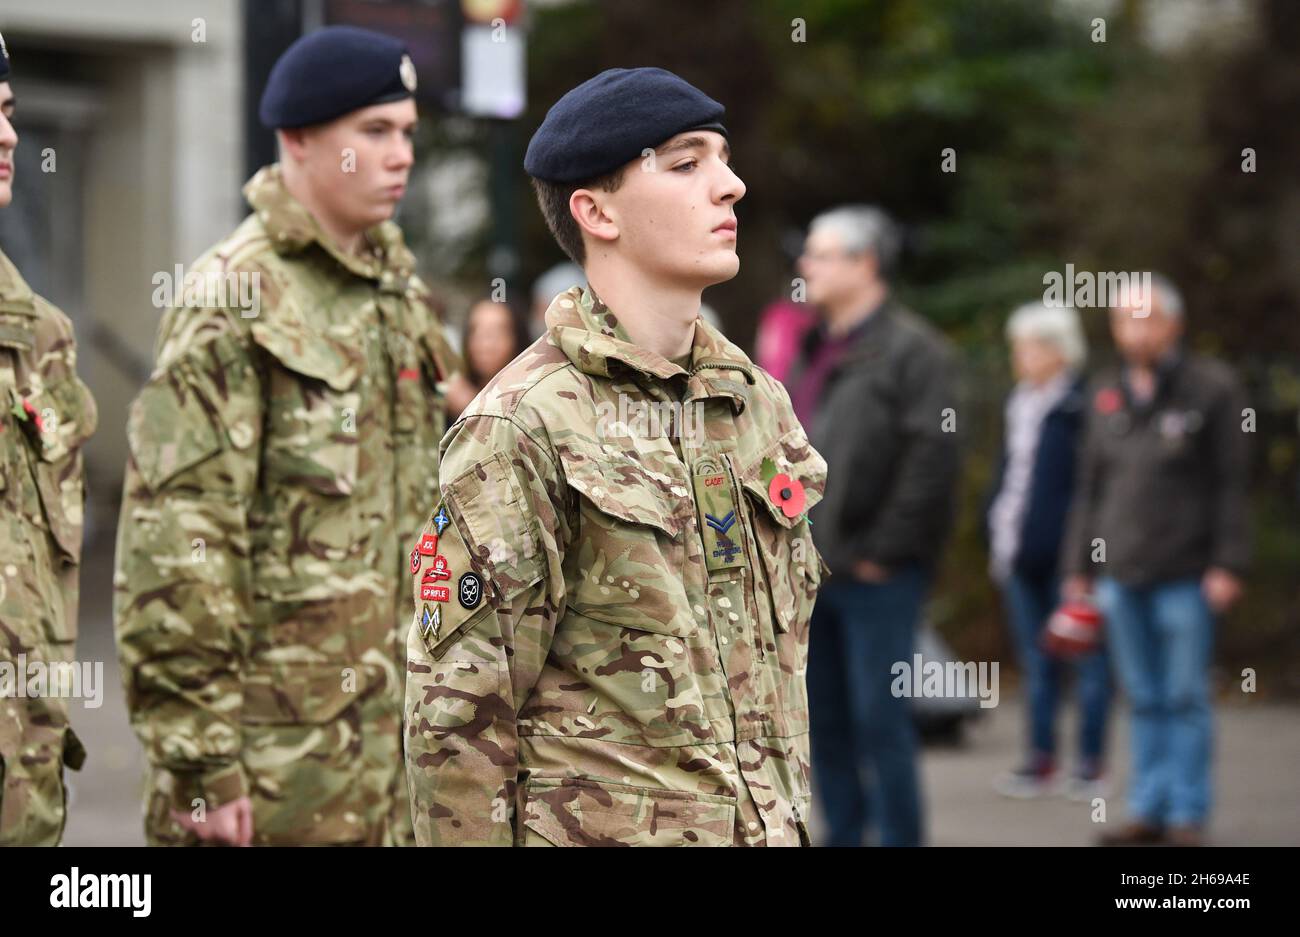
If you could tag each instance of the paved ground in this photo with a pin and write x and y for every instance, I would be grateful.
(1257, 776)
(1257, 768)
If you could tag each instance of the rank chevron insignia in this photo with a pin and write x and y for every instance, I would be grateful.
(721, 525)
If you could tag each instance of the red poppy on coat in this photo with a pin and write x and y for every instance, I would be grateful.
(787, 493)
(36, 417)
(1108, 401)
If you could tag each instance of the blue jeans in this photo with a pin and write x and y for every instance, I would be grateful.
(1030, 602)
(863, 739)
(1161, 637)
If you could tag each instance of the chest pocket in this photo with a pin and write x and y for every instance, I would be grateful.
(435, 366)
(792, 567)
(628, 558)
(68, 418)
(313, 407)
(45, 470)
(416, 405)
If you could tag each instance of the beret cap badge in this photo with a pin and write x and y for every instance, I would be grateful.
(407, 72)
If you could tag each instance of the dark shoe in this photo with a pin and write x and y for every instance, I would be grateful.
(1134, 834)
(1185, 836)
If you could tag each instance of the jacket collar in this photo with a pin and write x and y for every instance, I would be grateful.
(1166, 373)
(591, 336)
(864, 338)
(15, 295)
(17, 308)
(292, 229)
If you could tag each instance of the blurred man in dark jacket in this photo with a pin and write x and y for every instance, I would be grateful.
(1160, 521)
(874, 388)
(1026, 522)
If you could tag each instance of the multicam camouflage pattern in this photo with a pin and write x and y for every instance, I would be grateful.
(279, 465)
(608, 688)
(46, 414)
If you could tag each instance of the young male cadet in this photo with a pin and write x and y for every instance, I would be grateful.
(281, 458)
(612, 623)
(46, 415)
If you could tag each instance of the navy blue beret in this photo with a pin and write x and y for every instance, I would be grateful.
(608, 120)
(333, 71)
(4, 60)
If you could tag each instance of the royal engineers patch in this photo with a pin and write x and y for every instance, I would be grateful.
(720, 525)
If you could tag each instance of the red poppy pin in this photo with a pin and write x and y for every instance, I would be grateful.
(1108, 401)
(786, 493)
(29, 413)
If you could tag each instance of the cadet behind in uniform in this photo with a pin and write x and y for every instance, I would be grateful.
(46, 414)
(280, 458)
(612, 621)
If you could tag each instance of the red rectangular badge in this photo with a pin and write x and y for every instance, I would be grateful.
(434, 593)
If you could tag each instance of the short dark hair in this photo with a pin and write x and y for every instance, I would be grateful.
(553, 200)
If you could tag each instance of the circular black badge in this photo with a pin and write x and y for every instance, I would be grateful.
(469, 590)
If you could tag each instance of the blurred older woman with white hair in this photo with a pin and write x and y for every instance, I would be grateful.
(1026, 523)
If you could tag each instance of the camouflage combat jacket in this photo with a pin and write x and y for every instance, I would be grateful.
(46, 414)
(612, 615)
(279, 462)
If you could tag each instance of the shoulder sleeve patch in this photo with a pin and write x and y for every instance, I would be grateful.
(478, 551)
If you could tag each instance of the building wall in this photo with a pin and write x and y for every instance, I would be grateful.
(158, 180)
